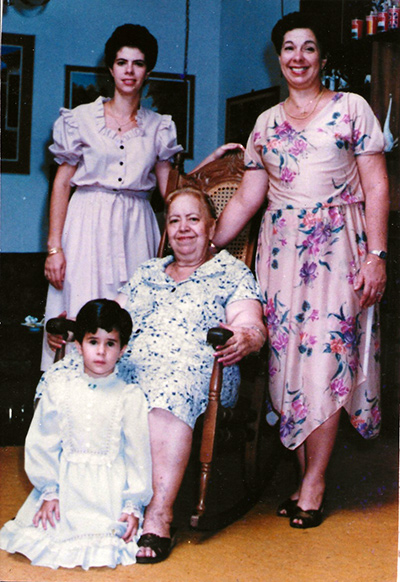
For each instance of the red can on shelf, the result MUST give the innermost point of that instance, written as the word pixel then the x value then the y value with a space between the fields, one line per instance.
pixel 383 21
pixel 357 28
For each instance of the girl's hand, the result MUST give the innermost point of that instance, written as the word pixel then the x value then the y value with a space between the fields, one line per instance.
pixel 372 280
pixel 45 513
pixel 133 524
pixel 54 269
pixel 244 341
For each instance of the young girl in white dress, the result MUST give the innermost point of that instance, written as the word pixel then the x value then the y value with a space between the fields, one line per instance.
pixel 87 454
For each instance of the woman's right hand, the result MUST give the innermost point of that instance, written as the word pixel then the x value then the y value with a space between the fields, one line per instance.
pixel 54 269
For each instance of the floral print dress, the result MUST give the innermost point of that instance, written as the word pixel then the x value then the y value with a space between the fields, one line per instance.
pixel 324 349
pixel 168 355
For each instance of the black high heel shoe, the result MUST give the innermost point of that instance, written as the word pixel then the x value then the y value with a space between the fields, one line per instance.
pixel 309 518
pixel 287 508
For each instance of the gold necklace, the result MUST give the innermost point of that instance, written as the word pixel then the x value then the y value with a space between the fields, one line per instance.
pixel 306 115
pixel 121 125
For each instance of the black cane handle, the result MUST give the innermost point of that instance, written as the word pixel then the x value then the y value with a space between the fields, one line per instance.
pixel 218 336
pixel 60 326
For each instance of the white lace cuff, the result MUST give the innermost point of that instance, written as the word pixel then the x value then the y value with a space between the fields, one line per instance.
pixel 131 509
pixel 48 494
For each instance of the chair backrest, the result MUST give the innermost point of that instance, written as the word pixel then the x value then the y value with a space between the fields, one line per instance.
pixel 220 180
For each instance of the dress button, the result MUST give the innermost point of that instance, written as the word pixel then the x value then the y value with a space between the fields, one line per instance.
pixel 121 147
pixel 119 179
pixel 115 189
pixel 121 163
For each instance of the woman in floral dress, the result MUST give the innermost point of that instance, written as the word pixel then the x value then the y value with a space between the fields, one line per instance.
pixel 318 158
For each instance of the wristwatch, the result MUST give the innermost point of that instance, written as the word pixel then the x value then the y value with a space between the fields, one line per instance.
pixel 380 254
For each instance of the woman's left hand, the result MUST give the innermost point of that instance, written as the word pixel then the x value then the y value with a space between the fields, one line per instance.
pixel 372 280
pixel 133 524
pixel 219 152
pixel 244 341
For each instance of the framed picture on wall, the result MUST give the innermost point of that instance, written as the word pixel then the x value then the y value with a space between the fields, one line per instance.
pixel 16 102
pixel 163 92
pixel 243 110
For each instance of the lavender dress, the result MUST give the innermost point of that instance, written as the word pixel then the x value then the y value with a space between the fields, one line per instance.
pixel 110 226
pixel 324 349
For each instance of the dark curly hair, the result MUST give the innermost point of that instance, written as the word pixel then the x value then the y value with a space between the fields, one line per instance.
pixel 294 20
pixel 104 314
pixel 135 36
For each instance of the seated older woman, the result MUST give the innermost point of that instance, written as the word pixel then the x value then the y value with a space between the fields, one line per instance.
pixel 173 302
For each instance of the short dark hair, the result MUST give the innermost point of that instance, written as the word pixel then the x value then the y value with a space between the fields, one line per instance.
pixel 294 20
pixel 135 36
pixel 104 314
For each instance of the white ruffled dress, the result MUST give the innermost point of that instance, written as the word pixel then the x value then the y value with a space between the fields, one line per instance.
pixel 110 226
pixel 88 445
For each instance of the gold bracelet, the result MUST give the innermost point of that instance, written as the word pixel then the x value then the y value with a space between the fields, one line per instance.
pixel 54 251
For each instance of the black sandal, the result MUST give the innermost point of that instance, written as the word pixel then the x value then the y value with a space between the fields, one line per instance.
pixel 287 508
pixel 309 518
pixel 161 547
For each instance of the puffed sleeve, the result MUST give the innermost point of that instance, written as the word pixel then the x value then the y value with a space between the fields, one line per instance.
pixel 367 136
pixel 43 447
pixel 135 429
pixel 67 145
pixel 166 142
pixel 252 156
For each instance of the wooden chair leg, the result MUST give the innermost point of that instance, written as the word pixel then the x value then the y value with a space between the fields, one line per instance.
pixel 60 353
pixel 208 440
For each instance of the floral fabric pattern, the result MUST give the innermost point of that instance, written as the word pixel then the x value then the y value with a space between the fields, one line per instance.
pixel 324 350
pixel 168 354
